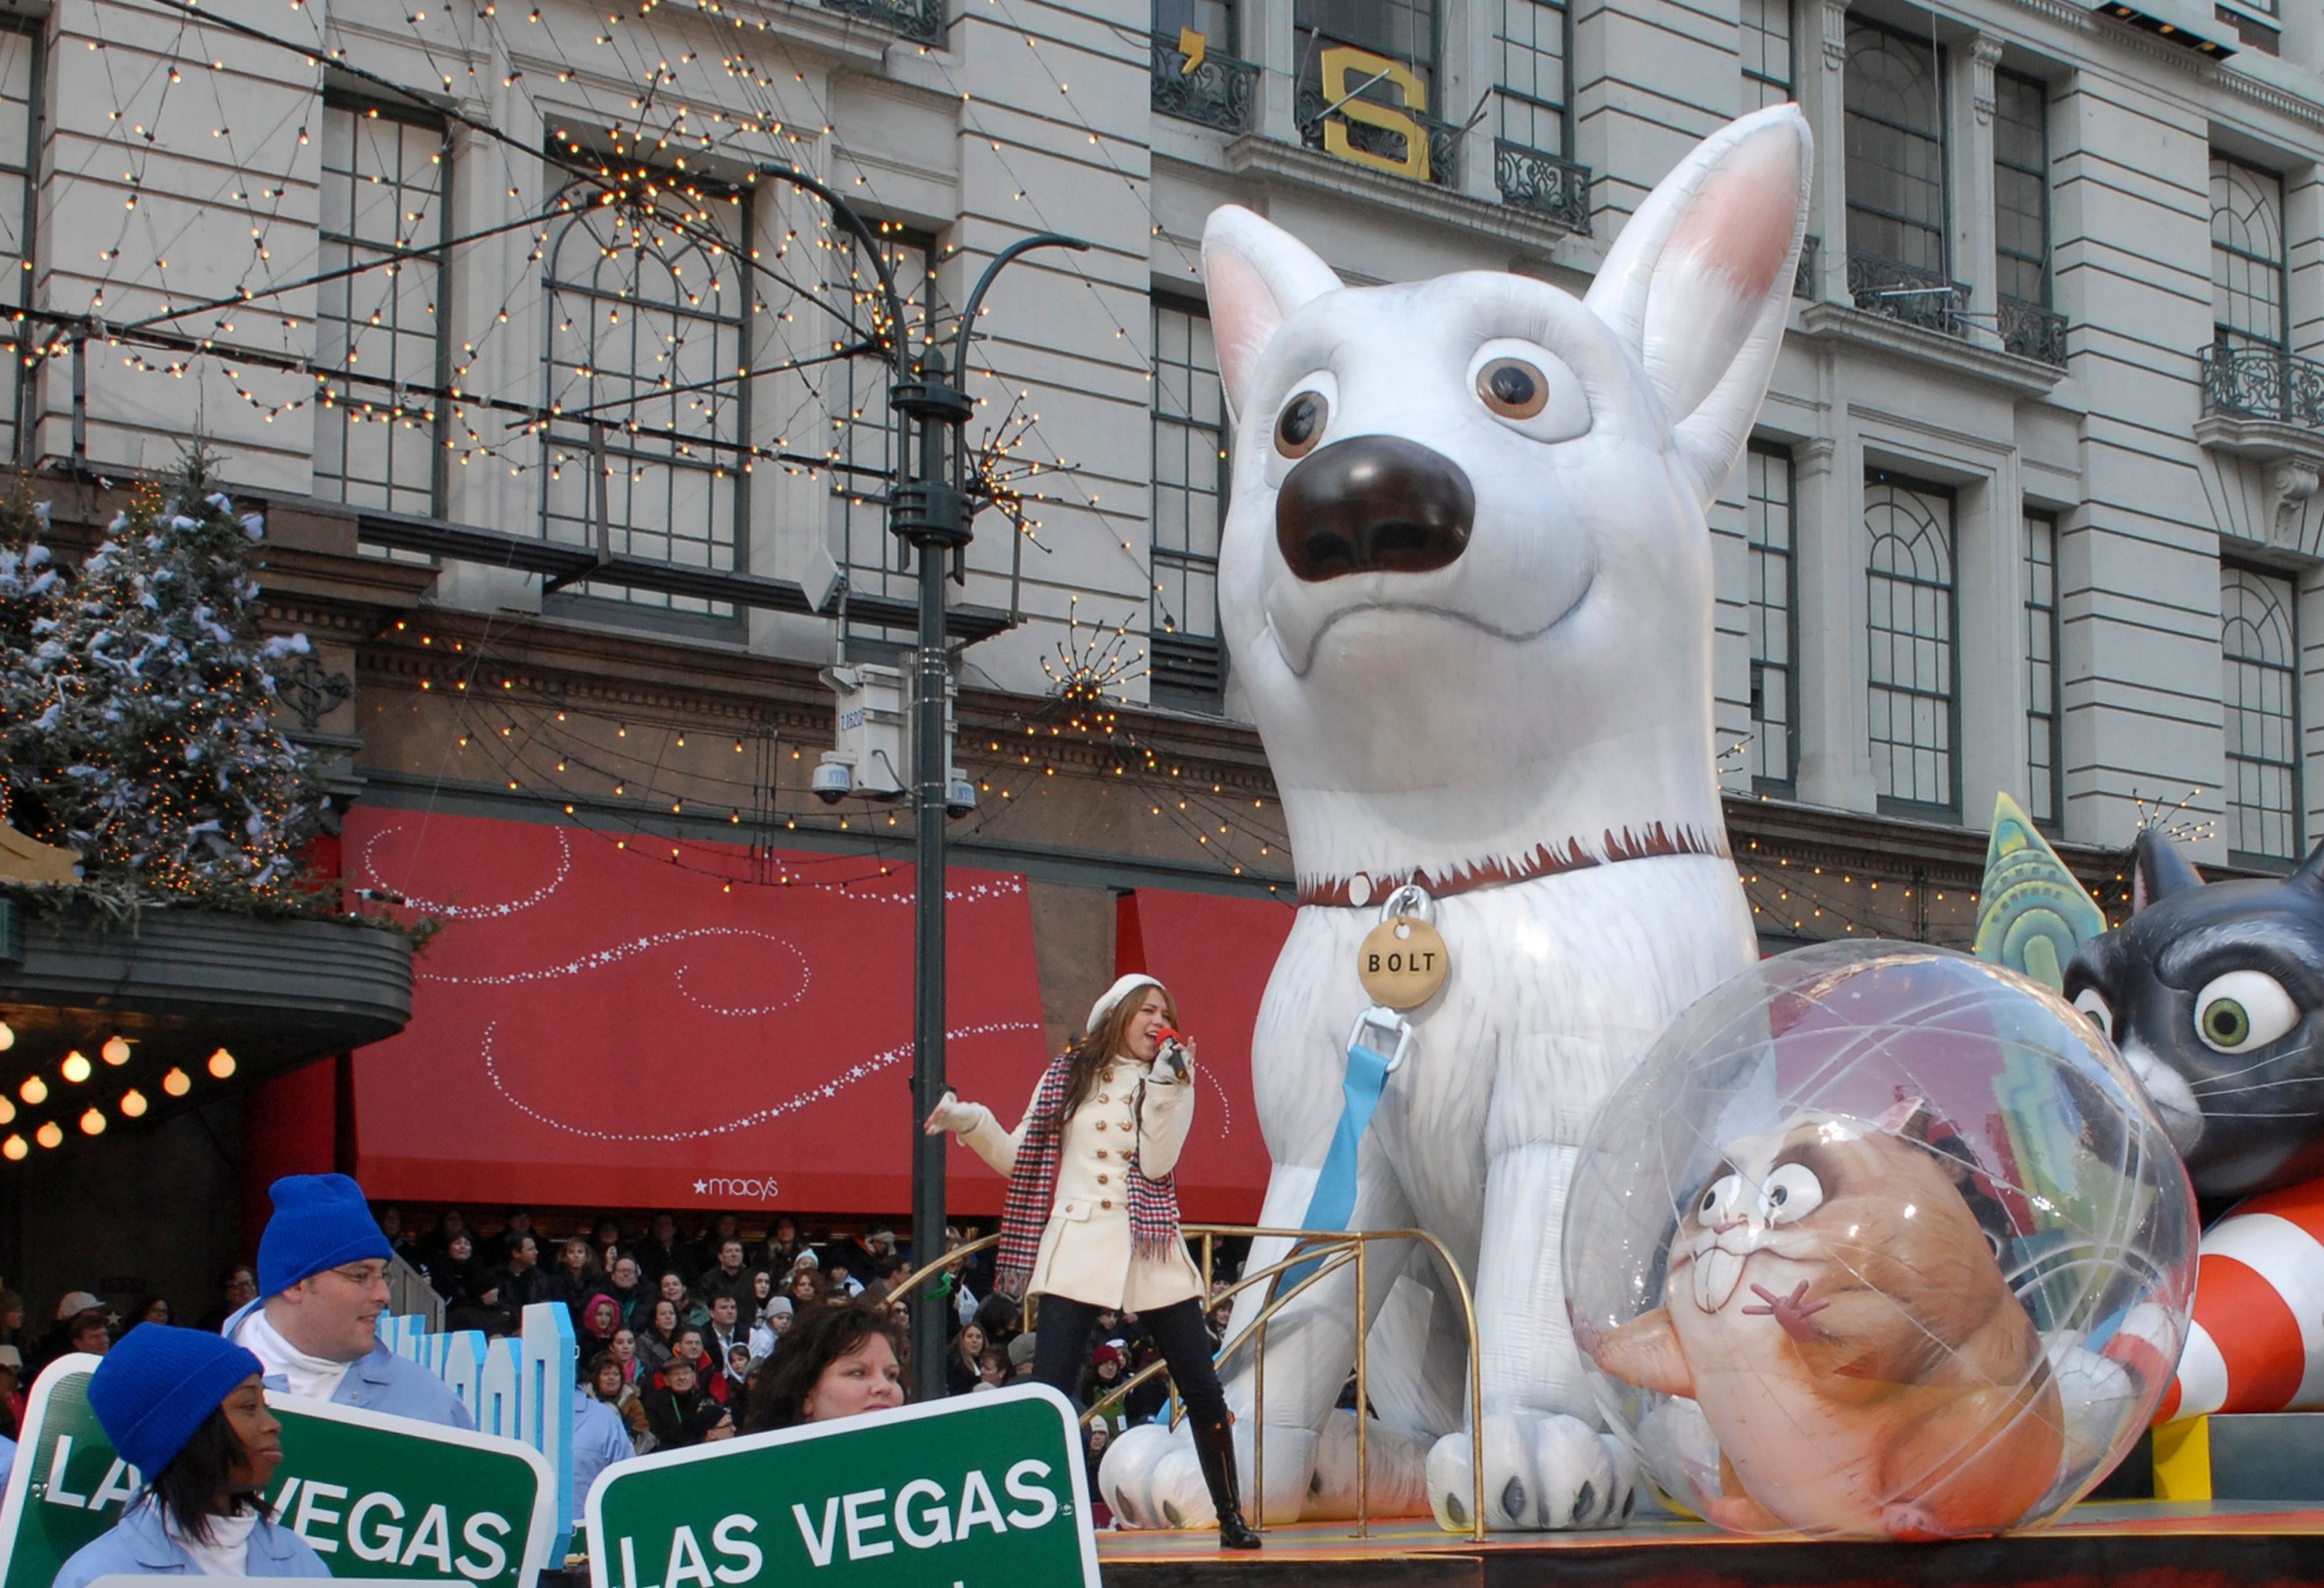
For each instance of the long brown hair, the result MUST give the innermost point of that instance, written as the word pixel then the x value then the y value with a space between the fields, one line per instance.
pixel 1097 1048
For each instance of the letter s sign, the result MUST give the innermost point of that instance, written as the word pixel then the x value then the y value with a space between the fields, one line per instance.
pixel 1342 62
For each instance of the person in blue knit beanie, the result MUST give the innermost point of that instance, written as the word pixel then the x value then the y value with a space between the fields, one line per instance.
pixel 187 1410
pixel 322 1284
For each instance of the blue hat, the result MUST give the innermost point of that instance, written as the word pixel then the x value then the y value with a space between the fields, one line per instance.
pixel 320 1221
pixel 154 1389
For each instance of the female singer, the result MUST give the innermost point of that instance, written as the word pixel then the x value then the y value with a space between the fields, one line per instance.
pixel 1090 1220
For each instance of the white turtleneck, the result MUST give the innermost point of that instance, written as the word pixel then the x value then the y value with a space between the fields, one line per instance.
pixel 314 1377
pixel 227 1553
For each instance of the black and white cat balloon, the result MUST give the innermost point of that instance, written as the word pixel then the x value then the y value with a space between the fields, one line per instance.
pixel 2214 994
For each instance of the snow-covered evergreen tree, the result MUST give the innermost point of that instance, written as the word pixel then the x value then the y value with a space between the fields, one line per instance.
pixel 138 708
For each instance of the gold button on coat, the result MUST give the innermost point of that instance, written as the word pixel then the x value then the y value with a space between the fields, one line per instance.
pixel 1101 1179
pixel 1101 1124
pixel 1107 1203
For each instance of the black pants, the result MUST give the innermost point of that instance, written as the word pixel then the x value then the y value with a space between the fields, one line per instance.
pixel 1061 1349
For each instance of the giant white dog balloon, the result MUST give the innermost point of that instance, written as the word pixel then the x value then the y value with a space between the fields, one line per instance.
pixel 1466 581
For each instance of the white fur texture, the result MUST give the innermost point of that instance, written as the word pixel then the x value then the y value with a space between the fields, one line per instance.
pixel 1551 686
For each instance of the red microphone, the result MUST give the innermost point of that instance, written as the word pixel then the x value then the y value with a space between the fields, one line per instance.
pixel 1171 1050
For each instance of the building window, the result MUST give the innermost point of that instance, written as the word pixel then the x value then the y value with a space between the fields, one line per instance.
pixel 1190 489
pixel 863 436
pixel 1774 646
pixel 1914 689
pixel 1765 41
pixel 1403 34
pixel 1532 42
pixel 386 178
pixel 646 314
pixel 1896 144
pixel 2020 187
pixel 2259 656
pixel 2044 785
pixel 2248 259
pixel 1214 19
pixel 20 144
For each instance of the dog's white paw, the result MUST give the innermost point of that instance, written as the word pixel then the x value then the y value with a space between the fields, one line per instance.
pixel 1152 1478
pixel 1543 1473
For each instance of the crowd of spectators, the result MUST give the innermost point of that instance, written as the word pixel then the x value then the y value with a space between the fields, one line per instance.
pixel 671 1324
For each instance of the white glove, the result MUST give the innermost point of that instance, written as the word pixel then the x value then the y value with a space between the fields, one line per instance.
pixel 953 1114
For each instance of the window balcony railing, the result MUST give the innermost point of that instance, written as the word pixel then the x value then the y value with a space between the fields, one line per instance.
pixel 2264 384
pixel 1221 92
pixel 922 21
pixel 1906 293
pixel 1443 138
pixel 2031 331
pixel 1545 184
pixel 1806 283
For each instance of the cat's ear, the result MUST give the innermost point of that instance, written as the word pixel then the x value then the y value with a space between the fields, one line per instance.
pixel 2158 870
pixel 2311 870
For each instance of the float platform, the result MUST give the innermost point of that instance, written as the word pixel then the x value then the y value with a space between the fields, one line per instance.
pixel 2139 1544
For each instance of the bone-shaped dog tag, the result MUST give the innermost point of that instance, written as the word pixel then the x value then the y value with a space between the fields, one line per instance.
pixel 1403 962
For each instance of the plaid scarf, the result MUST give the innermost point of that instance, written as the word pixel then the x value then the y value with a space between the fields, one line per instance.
pixel 1033 1184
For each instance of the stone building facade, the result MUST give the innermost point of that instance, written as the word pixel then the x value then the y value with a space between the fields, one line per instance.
pixel 489 307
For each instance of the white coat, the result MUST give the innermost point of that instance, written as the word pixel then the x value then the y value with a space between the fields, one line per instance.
pixel 1086 1253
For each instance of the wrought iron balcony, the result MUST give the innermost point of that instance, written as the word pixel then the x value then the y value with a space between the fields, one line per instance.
pixel 1545 184
pixel 922 20
pixel 2031 331
pixel 1906 293
pixel 1218 93
pixel 2264 384
pixel 1443 138
pixel 1806 282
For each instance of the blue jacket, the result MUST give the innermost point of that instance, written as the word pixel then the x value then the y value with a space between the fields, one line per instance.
pixel 382 1381
pixel 138 1547
pixel 600 1438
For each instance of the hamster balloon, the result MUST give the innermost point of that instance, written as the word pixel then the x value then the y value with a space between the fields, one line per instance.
pixel 1836 1309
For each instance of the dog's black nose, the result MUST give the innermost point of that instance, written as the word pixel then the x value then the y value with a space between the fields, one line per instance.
pixel 1373 504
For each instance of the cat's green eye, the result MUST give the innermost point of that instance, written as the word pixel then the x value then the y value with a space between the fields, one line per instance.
pixel 2227 1022
pixel 2243 1009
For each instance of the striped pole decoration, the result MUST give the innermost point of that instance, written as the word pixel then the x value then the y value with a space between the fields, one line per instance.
pixel 2257 1344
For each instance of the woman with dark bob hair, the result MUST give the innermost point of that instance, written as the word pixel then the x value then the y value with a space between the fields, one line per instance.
pixel 186 1409
pixel 835 1361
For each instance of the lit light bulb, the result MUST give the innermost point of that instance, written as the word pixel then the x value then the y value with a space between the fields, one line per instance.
pixel 132 1105
pixel 116 1050
pixel 35 1090
pixel 7 1112
pixel 51 1134
pixel 92 1123
pixel 177 1083
pixel 7 1036
pixel 76 1067
pixel 15 1146
pixel 221 1064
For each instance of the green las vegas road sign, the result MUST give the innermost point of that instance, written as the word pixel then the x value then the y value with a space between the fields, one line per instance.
pixel 376 1496
pixel 977 1491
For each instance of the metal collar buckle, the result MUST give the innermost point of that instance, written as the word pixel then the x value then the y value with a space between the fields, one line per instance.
pixel 1389 1024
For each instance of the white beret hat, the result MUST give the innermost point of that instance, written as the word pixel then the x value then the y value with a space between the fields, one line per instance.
pixel 1122 988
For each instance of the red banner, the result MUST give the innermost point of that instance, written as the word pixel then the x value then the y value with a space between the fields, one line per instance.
pixel 626 1021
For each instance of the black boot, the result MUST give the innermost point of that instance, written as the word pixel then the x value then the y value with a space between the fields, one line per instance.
pixel 1214 1445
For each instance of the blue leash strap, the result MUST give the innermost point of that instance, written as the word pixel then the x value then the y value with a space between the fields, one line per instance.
pixel 1334 1201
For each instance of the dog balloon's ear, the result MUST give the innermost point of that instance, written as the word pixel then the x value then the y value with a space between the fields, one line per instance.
pixel 1256 273
pixel 1700 282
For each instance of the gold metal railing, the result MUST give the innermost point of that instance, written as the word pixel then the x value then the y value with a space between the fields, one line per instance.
pixel 1330 1250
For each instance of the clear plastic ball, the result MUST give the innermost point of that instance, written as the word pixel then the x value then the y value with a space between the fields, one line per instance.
pixel 1879 1241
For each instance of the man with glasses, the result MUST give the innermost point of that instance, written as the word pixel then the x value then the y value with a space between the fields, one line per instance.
pixel 322 1276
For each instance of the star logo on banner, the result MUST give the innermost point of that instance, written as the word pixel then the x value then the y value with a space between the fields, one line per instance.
pixel 702 1188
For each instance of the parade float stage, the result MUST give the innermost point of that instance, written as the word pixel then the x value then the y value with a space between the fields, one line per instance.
pixel 2145 1544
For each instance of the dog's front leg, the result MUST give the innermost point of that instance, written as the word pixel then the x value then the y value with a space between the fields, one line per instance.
pixel 1546 1465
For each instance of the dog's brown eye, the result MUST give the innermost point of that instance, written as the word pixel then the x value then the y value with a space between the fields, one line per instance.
pixel 1513 388
pixel 1301 424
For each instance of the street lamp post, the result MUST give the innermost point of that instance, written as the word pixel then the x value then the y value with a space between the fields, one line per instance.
pixel 931 509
